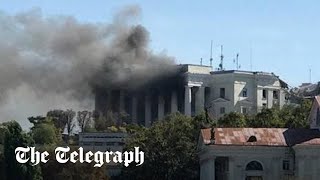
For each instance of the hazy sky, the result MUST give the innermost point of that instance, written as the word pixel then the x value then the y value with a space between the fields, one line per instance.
pixel 284 35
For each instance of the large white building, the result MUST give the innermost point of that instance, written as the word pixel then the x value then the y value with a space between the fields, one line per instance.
pixel 261 153
pixel 193 89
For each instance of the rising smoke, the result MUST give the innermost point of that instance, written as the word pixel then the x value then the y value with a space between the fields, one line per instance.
pixel 54 62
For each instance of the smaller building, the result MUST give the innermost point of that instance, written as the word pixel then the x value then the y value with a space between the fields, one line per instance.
pixel 104 141
pixel 259 154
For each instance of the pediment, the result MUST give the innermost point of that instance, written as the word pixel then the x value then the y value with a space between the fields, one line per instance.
pixel 218 100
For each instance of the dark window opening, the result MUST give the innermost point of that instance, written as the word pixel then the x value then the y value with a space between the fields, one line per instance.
pixel 222 110
pixel 264 94
pixel 222 92
pixel 252 139
pixel 286 165
pixel 244 110
pixel 275 95
pixel 254 166
pixel 244 92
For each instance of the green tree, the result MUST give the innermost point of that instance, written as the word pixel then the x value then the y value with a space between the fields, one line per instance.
pixel 169 147
pixel 53 170
pixel 14 137
pixel 233 119
pixel 267 118
pixel 43 131
pixel 296 116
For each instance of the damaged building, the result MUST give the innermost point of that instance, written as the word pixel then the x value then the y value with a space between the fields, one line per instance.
pixel 191 90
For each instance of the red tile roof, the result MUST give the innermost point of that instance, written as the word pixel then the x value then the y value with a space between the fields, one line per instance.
pixel 263 136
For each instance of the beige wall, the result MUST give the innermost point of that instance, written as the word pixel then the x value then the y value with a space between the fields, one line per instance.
pixel 235 82
pixel 306 166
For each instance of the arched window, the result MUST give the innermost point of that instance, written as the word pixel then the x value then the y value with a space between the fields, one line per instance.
pixel 254 166
pixel 252 139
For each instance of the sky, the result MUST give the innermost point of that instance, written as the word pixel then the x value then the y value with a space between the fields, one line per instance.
pixel 274 36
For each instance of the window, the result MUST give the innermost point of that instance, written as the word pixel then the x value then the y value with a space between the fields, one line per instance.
pixel 286 165
pixel 254 166
pixel 222 110
pixel 275 95
pixel 222 92
pixel 244 92
pixel 252 139
pixel 264 94
pixel 244 110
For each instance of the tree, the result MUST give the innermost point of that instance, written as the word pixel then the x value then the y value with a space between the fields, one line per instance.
pixel 58 118
pixel 296 116
pixel 14 137
pixel 44 133
pixel 53 170
pixel 63 119
pixel 43 130
pixel 169 147
pixel 84 118
pixel 233 119
pixel 267 118
pixel 69 115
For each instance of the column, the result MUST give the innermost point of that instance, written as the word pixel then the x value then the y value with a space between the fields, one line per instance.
pixel 147 121
pixel 121 106
pixel 270 98
pixel 134 110
pixel 174 102
pixel 121 101
pixel 108 107
pixel 160 107
pixel 199 100
pixel 187 101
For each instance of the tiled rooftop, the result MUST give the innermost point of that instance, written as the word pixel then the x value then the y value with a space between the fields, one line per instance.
pixel 263 136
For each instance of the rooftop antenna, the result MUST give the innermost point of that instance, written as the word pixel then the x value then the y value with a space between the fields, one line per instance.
pixel 211 55
pixel 221 59
pixel 237 61
pixel 250 57
pixel 310 75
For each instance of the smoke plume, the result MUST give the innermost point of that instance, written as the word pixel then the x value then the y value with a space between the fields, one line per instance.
pixel 55 62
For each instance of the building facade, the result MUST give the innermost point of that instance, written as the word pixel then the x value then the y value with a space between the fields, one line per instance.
pixel 194 89
pixel 104 141
pixel 259 154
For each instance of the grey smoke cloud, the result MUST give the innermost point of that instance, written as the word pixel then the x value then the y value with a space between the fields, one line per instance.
pixel 54 62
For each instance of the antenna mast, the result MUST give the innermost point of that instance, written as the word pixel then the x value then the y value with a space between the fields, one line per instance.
pixel 310 75
pixel 211 55
pixel 221 59
pixel 251 57
pixel 237 59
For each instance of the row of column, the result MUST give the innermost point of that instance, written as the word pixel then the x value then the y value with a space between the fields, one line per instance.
pixel 148 105
pixel 199 104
